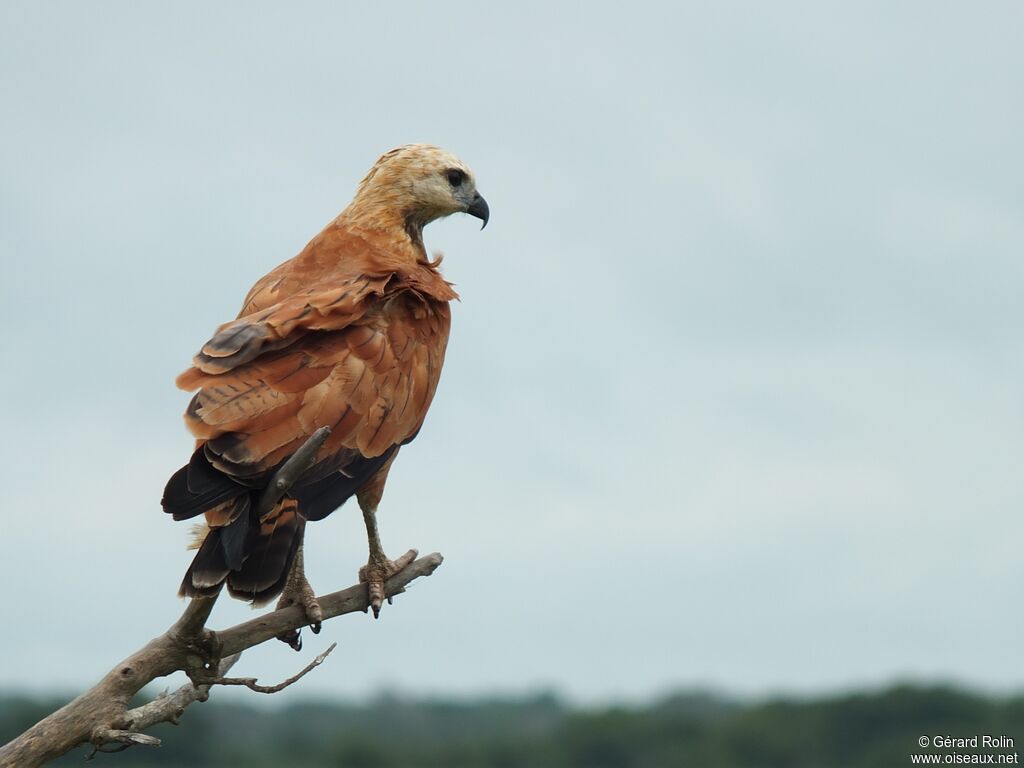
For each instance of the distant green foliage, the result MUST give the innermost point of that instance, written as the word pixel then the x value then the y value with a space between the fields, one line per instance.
pixel 868 730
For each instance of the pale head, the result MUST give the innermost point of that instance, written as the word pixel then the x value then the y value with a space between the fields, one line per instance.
pixel 411 186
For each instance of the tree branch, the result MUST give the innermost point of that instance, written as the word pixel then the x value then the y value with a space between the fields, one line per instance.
pixel 101 715
pixel 253 685
pixel 355 598
pixel 169 707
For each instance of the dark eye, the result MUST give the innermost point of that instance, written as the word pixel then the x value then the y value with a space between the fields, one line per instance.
pixel 456 177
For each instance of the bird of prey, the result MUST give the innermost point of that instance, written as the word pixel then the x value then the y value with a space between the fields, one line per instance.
pixel 351 335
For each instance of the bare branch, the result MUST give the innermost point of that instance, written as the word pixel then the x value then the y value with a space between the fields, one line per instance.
pixel 195 616
pixel 252 685
pixel 255 631
pixel 120 740
pixel 169 707
pixel 101 715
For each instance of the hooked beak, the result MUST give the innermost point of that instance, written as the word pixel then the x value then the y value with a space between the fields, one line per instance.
pixel 479 209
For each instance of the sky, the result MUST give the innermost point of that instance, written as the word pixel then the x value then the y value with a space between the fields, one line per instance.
pixel 733 396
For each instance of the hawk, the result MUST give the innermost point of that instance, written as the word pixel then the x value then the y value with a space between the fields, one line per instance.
pixel 349 334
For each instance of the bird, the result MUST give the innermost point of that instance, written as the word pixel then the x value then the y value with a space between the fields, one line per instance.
pixel 350 334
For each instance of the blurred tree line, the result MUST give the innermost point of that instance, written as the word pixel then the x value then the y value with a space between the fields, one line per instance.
pixel 689 729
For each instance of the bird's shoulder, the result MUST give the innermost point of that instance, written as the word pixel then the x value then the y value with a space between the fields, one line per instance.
pixel 340 259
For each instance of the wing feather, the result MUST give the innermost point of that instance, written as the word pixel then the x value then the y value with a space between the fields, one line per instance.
pixel 345 356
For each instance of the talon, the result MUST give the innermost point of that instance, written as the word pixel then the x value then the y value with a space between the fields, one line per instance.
pixel 314 614
pixel 293 639
pixel 377 571
pixel 297 591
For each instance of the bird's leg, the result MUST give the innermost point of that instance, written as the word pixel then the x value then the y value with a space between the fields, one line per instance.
pixel 298 592
pixel 378 568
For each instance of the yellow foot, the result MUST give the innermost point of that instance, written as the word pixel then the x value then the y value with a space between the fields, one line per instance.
pixel 298 592
pixel 379 570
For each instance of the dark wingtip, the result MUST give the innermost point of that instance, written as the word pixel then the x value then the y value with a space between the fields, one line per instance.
pixel 197 487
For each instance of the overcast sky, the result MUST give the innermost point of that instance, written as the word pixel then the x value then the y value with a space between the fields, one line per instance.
pixel 733 396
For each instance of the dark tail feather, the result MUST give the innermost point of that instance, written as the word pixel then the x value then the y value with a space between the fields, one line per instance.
pixel 208 570
pixel 235 537
pixel 271 549
pixel 222 551
pixel 252 556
